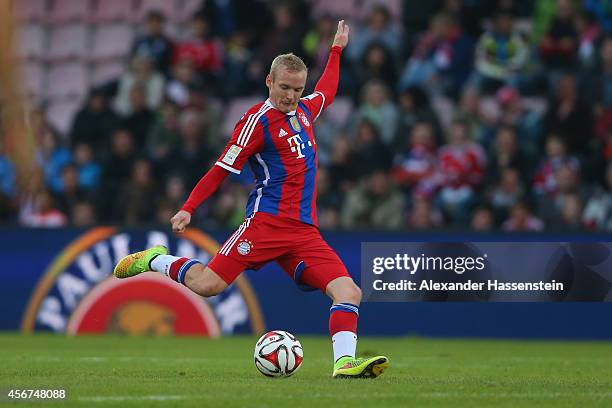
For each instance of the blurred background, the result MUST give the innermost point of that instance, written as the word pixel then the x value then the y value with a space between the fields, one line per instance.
pixel 451 115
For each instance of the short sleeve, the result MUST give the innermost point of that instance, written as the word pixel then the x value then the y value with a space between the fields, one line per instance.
pixel 247 140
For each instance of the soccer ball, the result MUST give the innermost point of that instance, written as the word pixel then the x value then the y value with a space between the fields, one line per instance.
pixel 278 354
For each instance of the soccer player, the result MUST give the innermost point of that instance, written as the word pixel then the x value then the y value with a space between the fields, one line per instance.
pixel 277 139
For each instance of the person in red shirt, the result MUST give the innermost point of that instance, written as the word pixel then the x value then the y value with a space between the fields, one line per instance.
pixel 205 53
pixel 276 138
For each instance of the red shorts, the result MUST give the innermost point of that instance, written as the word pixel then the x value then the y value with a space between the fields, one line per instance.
pixel 297 247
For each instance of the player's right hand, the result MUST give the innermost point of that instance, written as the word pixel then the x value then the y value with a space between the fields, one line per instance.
pixel 180 220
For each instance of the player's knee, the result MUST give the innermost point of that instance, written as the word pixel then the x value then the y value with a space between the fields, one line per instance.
pixel 354 294
pixel 348 292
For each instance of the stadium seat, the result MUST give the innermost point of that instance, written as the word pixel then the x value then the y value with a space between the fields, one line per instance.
pixel 61 113
pixel 113 10
pixel 63 11
pixel 67 80
pixel 107 71
pixel 235 109
pixel 31 42
pixel 339 111
pixel 169 8
pixel 111 41
pixel 70 41
pixel 30 10
pixel 33 79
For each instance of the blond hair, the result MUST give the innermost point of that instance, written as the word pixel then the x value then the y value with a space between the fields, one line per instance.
pixel 290 62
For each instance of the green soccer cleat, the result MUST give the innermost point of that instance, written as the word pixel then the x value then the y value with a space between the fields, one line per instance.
pixel 348 367
pixel 138 262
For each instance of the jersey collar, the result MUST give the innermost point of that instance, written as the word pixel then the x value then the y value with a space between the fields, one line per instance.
pixel 269 103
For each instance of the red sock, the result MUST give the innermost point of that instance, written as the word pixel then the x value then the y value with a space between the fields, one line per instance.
pixel 175 268
pixel 342 321
pixel 343 329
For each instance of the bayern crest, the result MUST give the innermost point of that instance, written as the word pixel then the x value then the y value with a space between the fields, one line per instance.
pixel 304 119
pixel 244 247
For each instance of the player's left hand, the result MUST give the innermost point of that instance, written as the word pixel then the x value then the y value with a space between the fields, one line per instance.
pixel 180 220
pixel 342 35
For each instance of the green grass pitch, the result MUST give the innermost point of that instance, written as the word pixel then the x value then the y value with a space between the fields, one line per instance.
pixel 194 372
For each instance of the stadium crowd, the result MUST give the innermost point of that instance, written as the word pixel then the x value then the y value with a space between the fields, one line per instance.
pixel 469 115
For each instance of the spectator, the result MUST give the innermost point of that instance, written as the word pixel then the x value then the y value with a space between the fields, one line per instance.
pixel 228 210
pixel 203 51
pixel 462 166
pixel 598 209
pixel 83 215
pixel 414 107
pixel 570 214
pixel 51 157
pixel 416 165
pixel 89 169
pixel 601 9
pixel 375 203
pixel 570 117
pixel 545 181
pixel 522 220
pixel 287 32
pixel 143 74
pixel 560 42
pixel 442 59
pixel 379 29
pixel 588 32
pixel 164 134
pixel 482 219
pixel 501 55
pixel 242 70
pixel 507 153
pixel 94 123
pixel 154 44
pixel 175 191
pixel 7 173
pixel 44 212
pixel 192 155
pixel 340 165
pixel 376 64
pixel 329 201
pixel 184 79
pixel 369 154
pixel 422 215
pixel 138 204
pixel 377 108
pixel 551 207
pixel 71 193
pixel 116 170
pixel 141 118
pixel 506 193
pixel 526 120
pixel 316 45
pixel 601 79
pixel 470 111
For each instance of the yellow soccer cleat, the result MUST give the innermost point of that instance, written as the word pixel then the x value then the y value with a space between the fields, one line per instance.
pixel 138 262
pixel 348 367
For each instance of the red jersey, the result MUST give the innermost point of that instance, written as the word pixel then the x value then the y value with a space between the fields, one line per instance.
pixel 282 151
